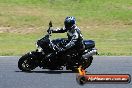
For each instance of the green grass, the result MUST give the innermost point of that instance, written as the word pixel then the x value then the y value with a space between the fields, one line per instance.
pixel 108 22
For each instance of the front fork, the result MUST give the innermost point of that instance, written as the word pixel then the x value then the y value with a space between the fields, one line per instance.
pixel 37 56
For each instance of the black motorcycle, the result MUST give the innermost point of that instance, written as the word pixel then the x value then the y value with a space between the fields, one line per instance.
pixel 47 55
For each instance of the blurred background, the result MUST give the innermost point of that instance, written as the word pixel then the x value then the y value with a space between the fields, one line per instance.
pixel 107 22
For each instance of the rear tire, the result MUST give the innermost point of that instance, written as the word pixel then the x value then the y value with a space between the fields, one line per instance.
pixel 25 63
pixel 87 62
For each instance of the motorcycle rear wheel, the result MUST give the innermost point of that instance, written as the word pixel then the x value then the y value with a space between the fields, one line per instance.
pixel 87 62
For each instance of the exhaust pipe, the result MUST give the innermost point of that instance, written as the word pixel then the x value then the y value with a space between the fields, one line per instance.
pixel 90 53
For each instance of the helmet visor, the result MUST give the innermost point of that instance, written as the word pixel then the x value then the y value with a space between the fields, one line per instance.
pixel 68 24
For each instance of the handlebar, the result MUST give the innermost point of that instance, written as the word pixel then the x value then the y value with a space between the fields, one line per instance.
pixel 49 31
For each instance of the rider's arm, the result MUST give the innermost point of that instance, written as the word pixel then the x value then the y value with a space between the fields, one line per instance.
pixel 73 40
pixel 59 30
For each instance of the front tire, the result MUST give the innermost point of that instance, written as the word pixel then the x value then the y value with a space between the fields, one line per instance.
pixel 25 63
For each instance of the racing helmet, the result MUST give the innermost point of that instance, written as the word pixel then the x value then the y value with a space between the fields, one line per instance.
pixel 69 22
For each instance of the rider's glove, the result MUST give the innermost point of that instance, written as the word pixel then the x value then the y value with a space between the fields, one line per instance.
pixel 61 50
pixel 58 49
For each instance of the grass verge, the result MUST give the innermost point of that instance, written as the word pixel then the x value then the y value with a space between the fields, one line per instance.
pixel 109 23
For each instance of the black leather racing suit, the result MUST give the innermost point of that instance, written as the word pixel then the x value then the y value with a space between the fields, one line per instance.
pixel 75 38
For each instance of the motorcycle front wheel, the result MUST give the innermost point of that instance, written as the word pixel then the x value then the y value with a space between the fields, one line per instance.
pixel 26 63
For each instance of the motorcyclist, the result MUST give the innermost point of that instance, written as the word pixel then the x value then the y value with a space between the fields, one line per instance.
pixel 75 38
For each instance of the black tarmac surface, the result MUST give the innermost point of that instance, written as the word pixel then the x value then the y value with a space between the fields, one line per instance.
pixel 12 77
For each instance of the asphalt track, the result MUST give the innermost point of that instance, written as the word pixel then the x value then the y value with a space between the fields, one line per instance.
pixel 12 77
